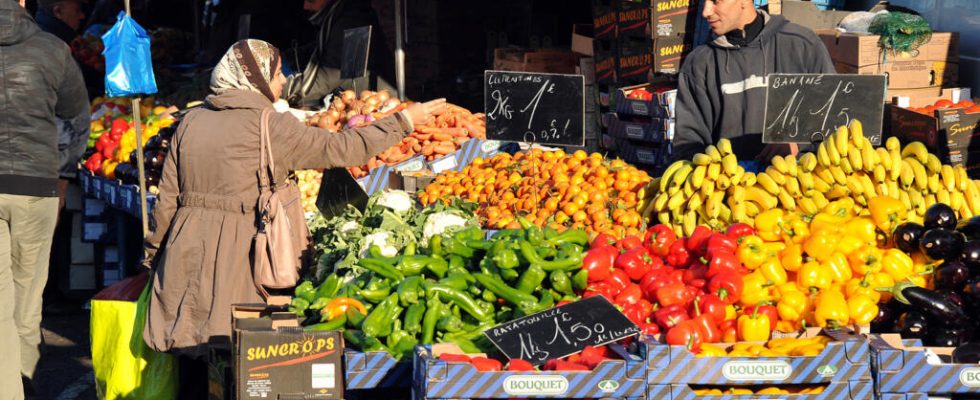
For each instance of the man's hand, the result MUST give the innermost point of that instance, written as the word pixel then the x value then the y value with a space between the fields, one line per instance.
pixel 777 149
pixel 423 113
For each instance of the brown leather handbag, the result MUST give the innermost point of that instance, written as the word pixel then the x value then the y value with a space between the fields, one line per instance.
pixel 283 238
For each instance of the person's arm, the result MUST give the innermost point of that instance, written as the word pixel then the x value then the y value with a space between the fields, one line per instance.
pixel 694 115
pixel 166 205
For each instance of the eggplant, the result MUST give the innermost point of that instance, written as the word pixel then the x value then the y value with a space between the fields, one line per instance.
pixel 912 325
pixel 152 143
pixel 970 228
pixel 154 160
pixel 947 337
pixel 954 297
pixel 939 215
pixel 951 275
pixel 930 302
pixel 971 294
pixel 971 256
pixel 907 235
pixel 152 179
pixel 940 243
pixel 967 353
pixel 885 320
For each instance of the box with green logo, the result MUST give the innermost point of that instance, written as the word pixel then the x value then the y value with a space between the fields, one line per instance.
pixel 436 379
pixel 844 358
pixel 906 370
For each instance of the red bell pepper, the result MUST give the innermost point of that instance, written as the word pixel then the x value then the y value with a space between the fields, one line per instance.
pixel 669 316
pixel 636 263
pixel 629 243
pixel 454 358
pixel 484 364
pixel 592 356
pixel 678 255
pixel 707 325
pixel 600 289
pixel 676 293
pixel 723 262
pixel 517 364
pixel 649 328
pixel 739 229
pixel 685 334
pixel 631 294
pixel 655 280
pixel 727 286
pixel 617 281
pixel 599 262
pixel 770 311
pixel 713 306
pixel 658 240
pixel 638 312
pixel 695 275
pixel 603 239
pixel 697 244
pixel 720 243
pixel 562 365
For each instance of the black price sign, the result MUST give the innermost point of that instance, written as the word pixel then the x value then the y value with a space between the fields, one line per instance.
pixel 357 45
pixel 535 108
pixel 338 189
pixel 807 108
pixel 562 331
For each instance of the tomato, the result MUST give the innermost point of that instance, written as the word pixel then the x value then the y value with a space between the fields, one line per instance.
pixel 973 110
pixel 599 262
pixel 943 104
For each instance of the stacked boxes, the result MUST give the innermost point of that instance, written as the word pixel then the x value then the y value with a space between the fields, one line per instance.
pixel 904 371
pixel 843 369
pixel 642 125
pixel 673 24
pixel 948 133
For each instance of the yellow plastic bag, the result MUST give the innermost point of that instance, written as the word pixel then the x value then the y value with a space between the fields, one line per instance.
pixel 125 367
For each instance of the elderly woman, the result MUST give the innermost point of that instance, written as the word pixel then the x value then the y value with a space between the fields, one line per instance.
pixel 205 218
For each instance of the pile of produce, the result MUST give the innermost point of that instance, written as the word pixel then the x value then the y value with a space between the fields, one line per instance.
pixel 449 287
pixel 308 181
pixel 440 137
pixel 939 317
pixel 930 110
pixel 713 189
pixel 553 189
pixel 587 360
pixel 764 390
pixel 782 347
pixel 112 140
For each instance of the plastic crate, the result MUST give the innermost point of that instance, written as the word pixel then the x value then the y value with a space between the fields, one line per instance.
pixel 440 380
pixel 640 129
pixel 373 370
pixel 854 390
pixel 641 153
pixel 902 371
pixel 660 106
pixel 846 359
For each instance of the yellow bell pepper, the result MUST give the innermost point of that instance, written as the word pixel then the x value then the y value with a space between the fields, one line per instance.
pixel 710 350
pixel 862 309
pixel 848 244
pixel 788 326
pixel 744 347
pixel 781 342
pixel 773 271
pixel 756 289
pixel 792 257
pixel 751 251
pixel 897 264
pixel 739 353
pixel 861 286
pixel 737 391
pixel 833 214
pixel 794 229
pixel 831 309
pixel 881 280
pixel 767 224
pixel 708 392
pixel 821 245
pixel 866 260
pixel 791 306
pixel 811 276
pixel 753 327
pixel 730 312
pixel 772 390
pixel 840 270
pixel 862 228
pixel 886 211
pixel 811 350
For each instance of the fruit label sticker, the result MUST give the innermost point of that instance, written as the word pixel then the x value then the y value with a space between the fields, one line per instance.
pixel 827 370
pixel 807 108
pixel 775 370
pixel 970 377
pixel 535 385
pixel 411 165
pixel 490 145
pixel 443 164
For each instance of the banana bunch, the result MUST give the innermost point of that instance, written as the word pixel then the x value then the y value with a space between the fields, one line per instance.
pixel 713 190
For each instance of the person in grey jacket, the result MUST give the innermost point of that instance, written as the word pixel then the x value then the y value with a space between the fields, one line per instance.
pixel 722 84
pixel 39 81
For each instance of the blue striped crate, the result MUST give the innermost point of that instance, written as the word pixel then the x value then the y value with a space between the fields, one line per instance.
pixel 84 180
pixel 896 361
pixel 378 179
pixel 440 380
pixel 375 369
pixel 95 187
pixel 110 192
pixel 853 390
pixel 845 359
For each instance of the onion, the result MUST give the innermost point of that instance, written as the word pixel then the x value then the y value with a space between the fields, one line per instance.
pixel 372 101
pixel 324 121
pixel 350 114
pixel 334 113
pixel 368 109
pixel 365 94
pixel 355 121
pixel 382 96
pixel 338 105
pixel 347 96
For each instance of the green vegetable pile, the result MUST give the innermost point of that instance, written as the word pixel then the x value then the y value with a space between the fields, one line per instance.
pixel 450 290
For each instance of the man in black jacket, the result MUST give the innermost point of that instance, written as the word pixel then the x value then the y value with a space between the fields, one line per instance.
pixel 39 81
pixel 322 73
pixel 722 85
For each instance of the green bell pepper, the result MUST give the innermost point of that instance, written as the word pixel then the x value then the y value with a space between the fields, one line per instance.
pixel 488 296
pixel 375 252
pixel 405 347
pixel 328 289
pixel 299 306
pixel 376 295
pixel 501 289
pixel 458 298
pixel 580 281
pixel 456 264
pixel 433 312
pixel 305 291
pixel 381 268
pixel 453 246
pixel 458 281
pixel 451 323
pixel 413 265
pixel 379 322
pixel 364 342
pixel 531 279
pixel 572 260
pixel 573 236
pixel 437 266
pixel 435 246
pixel 408 290
pixel 509 274
pixel 506 259
pixel 354 318
pixel 413 318
pixel 332 325
pixel 561 282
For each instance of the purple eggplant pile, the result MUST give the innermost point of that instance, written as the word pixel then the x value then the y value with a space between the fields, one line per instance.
pixel 947 314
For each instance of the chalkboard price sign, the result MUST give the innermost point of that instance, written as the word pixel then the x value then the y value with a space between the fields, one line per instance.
pixel 562 331
pixel 535 108
pixel 807 108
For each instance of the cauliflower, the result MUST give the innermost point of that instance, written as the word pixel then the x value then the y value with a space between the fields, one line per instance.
pixel 438 223
pixel 397 200
pixel 380 239
pixel 349 226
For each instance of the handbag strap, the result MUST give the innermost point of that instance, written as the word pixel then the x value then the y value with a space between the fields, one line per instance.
pixel 267 164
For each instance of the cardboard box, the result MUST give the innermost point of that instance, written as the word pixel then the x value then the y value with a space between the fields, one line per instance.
pixel 948 133
pixel 274 357
pixel 415 181
pixel 582 39
pixel 586 68
pixel 380 178
pixel 635 61
pixel 805 13
pixel 671 18
pixel 898 360
pixel 908 74
pixel 922 97
pixel 606 62
pixel 375 369
pixel 541 60
pixel 634 19
pixel 669 53
pixel 605 18
pixel 861 50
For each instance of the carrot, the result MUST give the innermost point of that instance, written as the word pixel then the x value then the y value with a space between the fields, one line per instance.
pixel 422 136
pixel 405 147
pixel 427 150
pixel 356 172
pixel 445 148
pixel 416 147
pixel 442 136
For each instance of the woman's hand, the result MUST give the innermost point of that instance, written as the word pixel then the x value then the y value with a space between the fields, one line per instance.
pixel 424 113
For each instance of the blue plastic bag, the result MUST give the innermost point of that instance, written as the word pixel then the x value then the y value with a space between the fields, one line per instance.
pixel 128 66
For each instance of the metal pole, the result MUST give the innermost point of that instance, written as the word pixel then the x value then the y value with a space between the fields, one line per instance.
pixel 138 126
pixel 399 49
